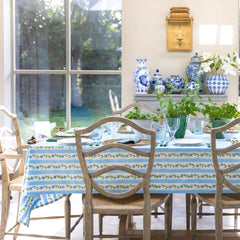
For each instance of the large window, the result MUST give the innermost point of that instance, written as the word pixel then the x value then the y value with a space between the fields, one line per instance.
pixel 67 56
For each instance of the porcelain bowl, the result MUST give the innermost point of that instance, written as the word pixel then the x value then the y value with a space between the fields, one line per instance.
pixel 229 135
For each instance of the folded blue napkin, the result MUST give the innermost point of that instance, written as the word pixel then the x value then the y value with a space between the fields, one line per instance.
pixel 129 140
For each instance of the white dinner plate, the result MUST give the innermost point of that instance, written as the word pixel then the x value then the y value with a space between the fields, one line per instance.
pixel 188 142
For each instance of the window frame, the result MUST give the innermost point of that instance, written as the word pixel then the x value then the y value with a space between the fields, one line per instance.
pixel 67 72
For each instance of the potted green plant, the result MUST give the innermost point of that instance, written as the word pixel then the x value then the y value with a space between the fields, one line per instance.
pixel 220 114
pixel 142 119
pixel 136 114
pixel 189 104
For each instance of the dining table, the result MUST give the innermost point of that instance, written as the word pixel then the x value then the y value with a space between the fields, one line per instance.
pixel 52 169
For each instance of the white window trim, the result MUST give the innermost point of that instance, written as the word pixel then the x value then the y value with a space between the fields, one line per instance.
pixel 5 56
pixel 67 72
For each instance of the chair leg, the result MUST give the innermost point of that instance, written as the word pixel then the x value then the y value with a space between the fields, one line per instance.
pixel 188 214
pixel 236 213
pixel 147 225
pixel 218 223
pixel 5 210
pixel 88 223
pixel 200 208
pixel 130 221
pixel 16 230
pixel 193 216
pixel 67 210
pixel 167 218
pixel 155 210
pixel 170 210
pixel 100 223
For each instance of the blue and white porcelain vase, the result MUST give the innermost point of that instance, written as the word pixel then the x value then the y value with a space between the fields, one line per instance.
pixel 156 83
pixel 217 84
pixel 175 84
pixel 141 77
pixel 193 69
pixel 192 86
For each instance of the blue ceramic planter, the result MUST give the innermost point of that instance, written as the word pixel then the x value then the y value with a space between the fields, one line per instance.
pixel 217 84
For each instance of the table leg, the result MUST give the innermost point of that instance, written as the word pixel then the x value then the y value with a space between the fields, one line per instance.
pixel 125 224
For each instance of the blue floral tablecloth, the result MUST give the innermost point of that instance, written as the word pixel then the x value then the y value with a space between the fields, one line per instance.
pixel 52 170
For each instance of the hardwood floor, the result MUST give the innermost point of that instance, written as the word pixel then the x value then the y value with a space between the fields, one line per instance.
pixel 110 225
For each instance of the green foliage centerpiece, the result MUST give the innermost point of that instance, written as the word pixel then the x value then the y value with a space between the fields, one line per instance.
pixel 136 114
pixel 142 119
pixel 189 104
pixel 219 115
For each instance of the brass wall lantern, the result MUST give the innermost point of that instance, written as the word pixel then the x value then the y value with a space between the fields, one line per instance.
pixel 179 30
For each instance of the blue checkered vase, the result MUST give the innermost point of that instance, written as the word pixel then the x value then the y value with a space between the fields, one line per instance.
pixel 217 84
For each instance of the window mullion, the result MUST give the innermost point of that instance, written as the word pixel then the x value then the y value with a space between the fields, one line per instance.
pixel 68 65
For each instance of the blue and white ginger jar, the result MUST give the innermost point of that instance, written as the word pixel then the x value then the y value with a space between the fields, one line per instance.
pixel 192 86
pixel 175 84
pixel 193 69
pixel 156 83
pixel 217 84
pixel 141 77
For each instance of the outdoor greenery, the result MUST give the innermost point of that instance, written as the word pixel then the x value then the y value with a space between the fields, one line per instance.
pixel 41 45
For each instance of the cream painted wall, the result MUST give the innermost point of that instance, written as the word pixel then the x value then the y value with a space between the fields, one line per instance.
pixel 144 35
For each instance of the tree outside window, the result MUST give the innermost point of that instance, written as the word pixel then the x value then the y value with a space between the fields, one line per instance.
pixel 42 50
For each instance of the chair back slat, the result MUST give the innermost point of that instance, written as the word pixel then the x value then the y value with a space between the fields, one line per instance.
pixel 13 132
pixel 227 149
pixel 117 195
pixel 11 144
pixel 222 169
pixel 84 155
pixel 231 169
pixel 113 100
pixel 116 145
pixel 116 167
pixel 132 105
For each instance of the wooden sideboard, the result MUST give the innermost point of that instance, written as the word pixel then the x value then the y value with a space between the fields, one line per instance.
pixel 151 99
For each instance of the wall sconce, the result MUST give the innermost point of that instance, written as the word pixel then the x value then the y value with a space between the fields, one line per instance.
pixel 179 38
pixel 179 30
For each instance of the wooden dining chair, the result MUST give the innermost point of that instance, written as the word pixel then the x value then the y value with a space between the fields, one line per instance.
pixel 121 112
pixel 126 203
pixel 12 149
pixel 225 171
pixel 12 155
pixel 113 100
